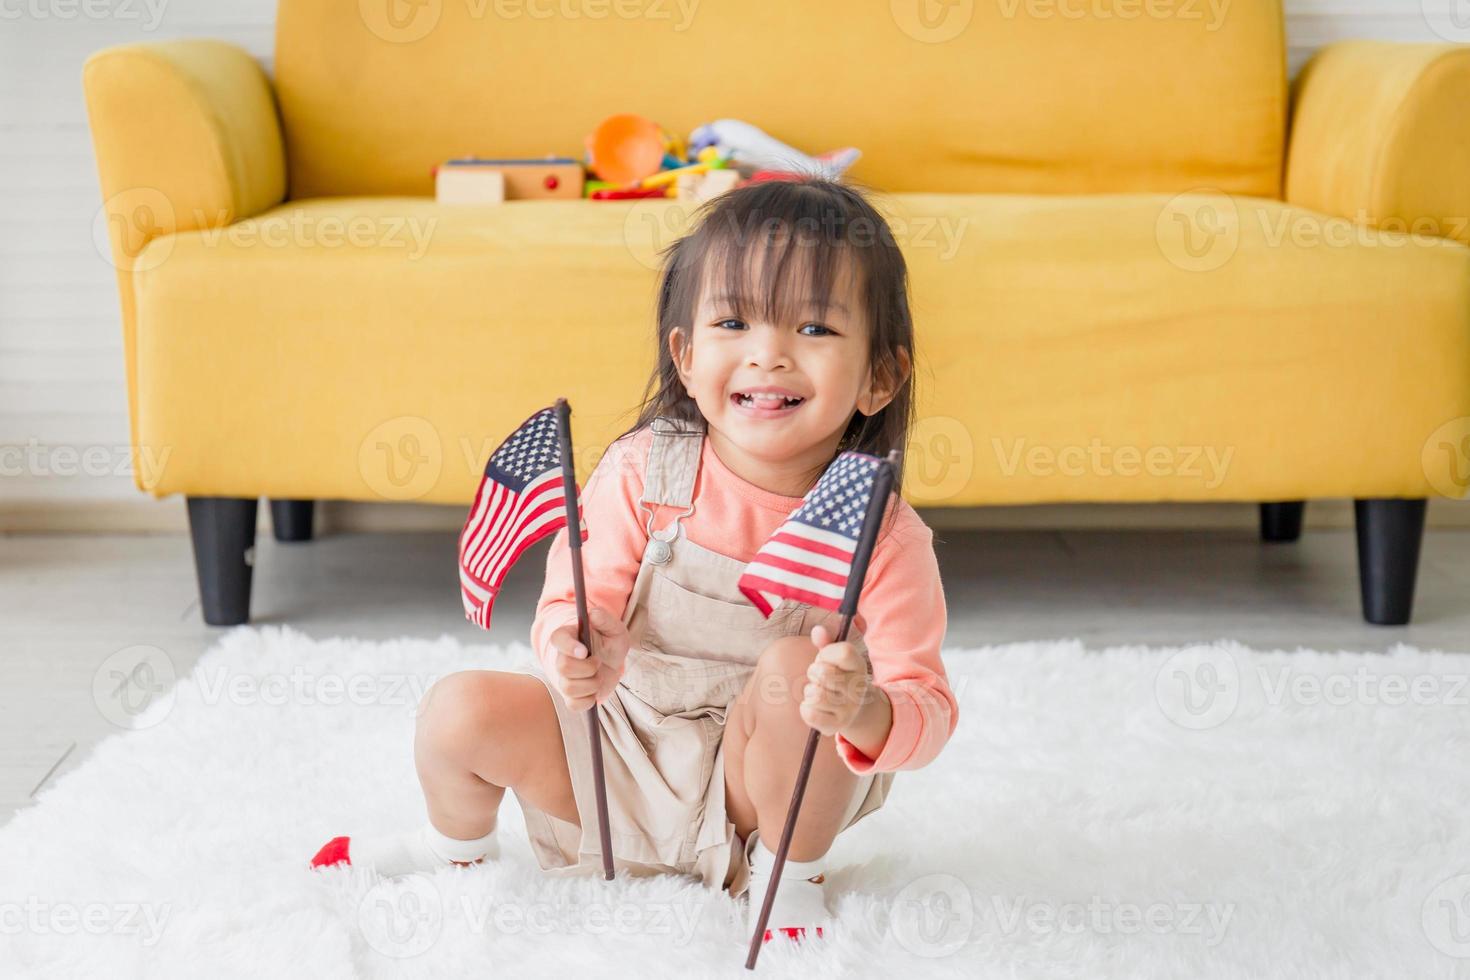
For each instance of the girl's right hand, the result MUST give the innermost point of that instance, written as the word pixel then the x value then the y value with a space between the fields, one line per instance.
pixel 584 679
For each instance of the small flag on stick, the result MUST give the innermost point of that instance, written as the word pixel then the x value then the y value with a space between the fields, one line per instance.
pixel 529 487
pixel 809 558
pixel 820 556
pixel 521 499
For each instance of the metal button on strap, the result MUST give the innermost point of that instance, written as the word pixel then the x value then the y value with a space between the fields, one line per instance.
pixel 659 551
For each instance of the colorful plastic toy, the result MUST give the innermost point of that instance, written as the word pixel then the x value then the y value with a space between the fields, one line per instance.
pixel 752 147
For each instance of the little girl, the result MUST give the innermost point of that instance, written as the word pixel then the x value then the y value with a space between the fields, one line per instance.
pixel 784 337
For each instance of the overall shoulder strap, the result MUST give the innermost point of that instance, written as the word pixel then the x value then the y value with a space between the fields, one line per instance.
pixel 673 462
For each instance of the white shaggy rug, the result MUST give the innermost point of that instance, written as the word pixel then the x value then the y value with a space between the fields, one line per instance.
pixel 1212 812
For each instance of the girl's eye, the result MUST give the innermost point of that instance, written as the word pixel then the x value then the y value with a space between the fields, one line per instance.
pixel 817 328
pixel 727 324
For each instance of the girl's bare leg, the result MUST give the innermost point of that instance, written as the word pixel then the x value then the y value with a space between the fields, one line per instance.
pixel 764 740
pixel 479 732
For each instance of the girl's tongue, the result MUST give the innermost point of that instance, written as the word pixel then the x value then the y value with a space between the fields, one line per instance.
pixel 766 403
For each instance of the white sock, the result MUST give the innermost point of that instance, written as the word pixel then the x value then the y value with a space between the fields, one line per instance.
pixel 763 862
pixel 425 849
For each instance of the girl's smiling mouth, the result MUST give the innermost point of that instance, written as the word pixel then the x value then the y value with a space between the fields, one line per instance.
pixel 767 402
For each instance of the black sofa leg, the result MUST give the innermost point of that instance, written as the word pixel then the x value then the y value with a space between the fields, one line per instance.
pixel 1282 521
pixel 1390 531
pixel 291 519
pixel 223 529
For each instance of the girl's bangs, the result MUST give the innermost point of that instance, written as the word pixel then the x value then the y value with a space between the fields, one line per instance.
pixel 775 268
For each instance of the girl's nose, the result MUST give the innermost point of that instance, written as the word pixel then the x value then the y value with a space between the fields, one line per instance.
pixel 767 349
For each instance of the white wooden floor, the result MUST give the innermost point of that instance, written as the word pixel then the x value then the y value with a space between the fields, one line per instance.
pixel 68 601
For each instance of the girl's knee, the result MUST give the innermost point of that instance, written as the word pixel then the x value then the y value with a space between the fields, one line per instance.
pixel 780 673
pixel 456 710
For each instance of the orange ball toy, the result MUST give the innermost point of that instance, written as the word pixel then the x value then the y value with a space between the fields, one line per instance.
pixel 626 148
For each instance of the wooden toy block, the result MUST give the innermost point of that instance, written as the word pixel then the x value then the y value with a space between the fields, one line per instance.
pixel 701 187
pixel 469 185
pixel 533 179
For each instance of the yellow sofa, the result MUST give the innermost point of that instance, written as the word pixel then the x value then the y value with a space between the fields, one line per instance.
pixel 1143 268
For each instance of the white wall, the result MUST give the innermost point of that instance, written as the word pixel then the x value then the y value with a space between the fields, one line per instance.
pixel 61 374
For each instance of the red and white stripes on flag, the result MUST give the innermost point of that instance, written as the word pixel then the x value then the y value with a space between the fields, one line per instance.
pixel 520 500
pixel 809 557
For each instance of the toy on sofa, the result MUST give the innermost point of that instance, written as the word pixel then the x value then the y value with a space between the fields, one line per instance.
pixel 626 148
pixel 756 149
pixel 473 180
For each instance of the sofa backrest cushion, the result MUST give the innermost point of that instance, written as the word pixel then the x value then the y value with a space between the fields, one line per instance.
pixel 1018 96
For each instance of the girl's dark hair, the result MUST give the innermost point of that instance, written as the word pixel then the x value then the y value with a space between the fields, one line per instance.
pixel 806 229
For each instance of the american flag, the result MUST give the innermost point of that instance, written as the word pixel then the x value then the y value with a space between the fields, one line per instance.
pixel 520 501
pixel 809 558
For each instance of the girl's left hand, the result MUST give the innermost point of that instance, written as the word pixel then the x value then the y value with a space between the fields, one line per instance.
pixel 837 684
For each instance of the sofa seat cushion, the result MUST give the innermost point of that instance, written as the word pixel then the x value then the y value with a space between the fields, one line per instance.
pixel 1091 348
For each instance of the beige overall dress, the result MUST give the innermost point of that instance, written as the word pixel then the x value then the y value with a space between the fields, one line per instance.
pixel 695 640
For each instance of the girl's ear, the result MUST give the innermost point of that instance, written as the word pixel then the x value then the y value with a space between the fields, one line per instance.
pixel 883 385
pixel 680 351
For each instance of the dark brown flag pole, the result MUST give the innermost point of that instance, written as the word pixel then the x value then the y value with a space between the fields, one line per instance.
pixel 584 627
pixel 882 486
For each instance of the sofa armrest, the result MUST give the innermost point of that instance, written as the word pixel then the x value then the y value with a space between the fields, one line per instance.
pixel 1380 134
pixel 186 136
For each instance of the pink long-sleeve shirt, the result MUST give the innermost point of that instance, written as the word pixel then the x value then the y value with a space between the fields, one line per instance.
pixel 901 612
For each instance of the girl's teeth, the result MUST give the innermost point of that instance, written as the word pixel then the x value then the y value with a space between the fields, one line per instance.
pixel 768 401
